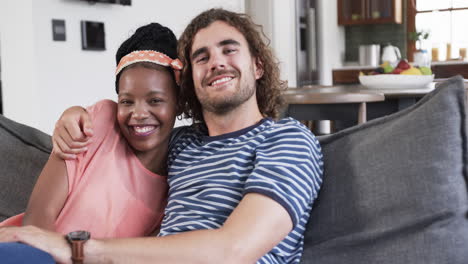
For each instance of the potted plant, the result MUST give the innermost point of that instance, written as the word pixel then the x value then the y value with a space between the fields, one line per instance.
pixel 421 56
pixel 419 37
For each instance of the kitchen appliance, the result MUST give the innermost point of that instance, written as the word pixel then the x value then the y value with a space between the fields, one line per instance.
pixel 391 54
pixel 306 42
pixel 369 55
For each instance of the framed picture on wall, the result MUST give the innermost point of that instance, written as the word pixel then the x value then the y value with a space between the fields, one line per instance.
pixel 93 35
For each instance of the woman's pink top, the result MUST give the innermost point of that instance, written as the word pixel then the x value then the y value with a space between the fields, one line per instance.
pixel 110 193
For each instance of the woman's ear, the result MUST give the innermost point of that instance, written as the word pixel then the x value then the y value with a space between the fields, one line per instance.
pixel 179 111
pixel 258 69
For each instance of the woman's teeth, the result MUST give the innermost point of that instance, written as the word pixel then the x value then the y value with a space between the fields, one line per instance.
pixel 143 129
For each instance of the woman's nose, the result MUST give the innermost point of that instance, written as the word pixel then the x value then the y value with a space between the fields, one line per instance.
pixel 140 112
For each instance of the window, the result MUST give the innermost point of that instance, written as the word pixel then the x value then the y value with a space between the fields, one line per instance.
pixel 447 22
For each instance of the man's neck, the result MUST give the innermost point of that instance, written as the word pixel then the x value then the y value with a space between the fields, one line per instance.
pixel 241 117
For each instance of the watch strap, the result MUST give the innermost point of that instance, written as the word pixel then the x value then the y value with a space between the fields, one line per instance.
pixel 77 251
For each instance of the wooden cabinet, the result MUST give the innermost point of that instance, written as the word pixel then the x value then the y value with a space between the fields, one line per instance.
pixel 348 76
pixel 449 70
pixel 360 12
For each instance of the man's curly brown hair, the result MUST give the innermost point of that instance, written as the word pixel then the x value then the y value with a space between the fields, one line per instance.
pixel 268 87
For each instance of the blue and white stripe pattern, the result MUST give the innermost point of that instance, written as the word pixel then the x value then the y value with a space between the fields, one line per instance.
pixel 208 176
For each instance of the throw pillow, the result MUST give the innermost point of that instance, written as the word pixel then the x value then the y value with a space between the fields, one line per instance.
pixel 395 188
pixel 24 151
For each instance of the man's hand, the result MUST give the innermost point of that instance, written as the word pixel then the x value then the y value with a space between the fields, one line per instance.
pixel 72 133
pixel 50 242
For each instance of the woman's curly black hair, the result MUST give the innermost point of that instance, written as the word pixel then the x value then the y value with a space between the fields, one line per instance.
pixel 153 36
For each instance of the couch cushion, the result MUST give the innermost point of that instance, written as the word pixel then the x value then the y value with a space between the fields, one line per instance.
pixel 395 188
pixel 23 151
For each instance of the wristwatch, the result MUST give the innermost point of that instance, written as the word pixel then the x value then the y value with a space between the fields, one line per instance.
pixel 77 240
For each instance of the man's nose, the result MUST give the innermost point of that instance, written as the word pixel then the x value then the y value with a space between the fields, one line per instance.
pixel 217 61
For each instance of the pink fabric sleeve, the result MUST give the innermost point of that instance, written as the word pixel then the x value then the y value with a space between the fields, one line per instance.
pixel 104 117
pixel 16 220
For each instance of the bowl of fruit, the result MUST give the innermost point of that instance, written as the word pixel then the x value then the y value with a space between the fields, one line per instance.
pixel 403 76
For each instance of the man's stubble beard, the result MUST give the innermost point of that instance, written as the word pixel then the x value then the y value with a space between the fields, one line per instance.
pixel 225 104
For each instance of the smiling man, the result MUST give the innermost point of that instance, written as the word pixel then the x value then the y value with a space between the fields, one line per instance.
pixel 241 184
pixel 224 74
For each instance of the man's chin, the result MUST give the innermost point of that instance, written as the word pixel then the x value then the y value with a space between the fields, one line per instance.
pixel 220 107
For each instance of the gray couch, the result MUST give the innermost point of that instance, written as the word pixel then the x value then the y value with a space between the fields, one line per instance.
pixel 394 190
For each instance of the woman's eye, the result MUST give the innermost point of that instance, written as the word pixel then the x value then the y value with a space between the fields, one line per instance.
pixel 125 102
pixel 155 101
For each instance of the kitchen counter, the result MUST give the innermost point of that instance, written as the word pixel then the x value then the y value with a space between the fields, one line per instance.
pixel 450 62
pixel 349 73
pixel 356 66
pixel 361 89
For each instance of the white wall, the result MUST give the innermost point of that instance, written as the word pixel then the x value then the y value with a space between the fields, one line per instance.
pixel 331 40
pixel 261 12
pixel 17 42
pixel 42 77
pixel 284 38
pixel 277 18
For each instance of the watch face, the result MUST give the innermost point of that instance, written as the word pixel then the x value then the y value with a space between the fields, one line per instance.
pixel 78 235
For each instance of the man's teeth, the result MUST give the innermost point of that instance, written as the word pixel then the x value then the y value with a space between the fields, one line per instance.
pixel 143 129
pixel 225 79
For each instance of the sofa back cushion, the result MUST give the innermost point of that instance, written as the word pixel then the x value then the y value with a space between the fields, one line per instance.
pixel 23 152
pixel 395 188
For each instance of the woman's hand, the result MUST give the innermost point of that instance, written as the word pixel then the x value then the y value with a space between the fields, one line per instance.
pixel 72 133
pixel 53 243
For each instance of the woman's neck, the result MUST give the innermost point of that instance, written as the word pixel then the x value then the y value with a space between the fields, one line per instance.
pixel 155 160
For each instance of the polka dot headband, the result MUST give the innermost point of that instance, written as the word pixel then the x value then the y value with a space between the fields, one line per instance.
pixel 153 57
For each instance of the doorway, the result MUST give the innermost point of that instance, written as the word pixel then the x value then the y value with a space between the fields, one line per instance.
pixel 306 42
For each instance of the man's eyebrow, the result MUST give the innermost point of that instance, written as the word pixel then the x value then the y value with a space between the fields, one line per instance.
pixel 229 42
pixel 221 43
pixel 198 52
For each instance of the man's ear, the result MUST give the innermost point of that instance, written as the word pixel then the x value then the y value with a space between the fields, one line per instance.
pixel 258 69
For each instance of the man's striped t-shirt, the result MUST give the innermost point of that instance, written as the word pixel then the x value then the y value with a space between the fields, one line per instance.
pixel 208 176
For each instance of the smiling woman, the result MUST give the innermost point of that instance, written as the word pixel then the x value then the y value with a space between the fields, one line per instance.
pixel 146 111
pixel 120 180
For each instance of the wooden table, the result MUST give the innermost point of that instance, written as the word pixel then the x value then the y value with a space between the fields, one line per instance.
pixel 401 98
pixel 328 102
pixel 341 102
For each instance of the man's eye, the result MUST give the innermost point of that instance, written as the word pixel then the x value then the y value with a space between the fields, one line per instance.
pixel 229 51
pixel 202 59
